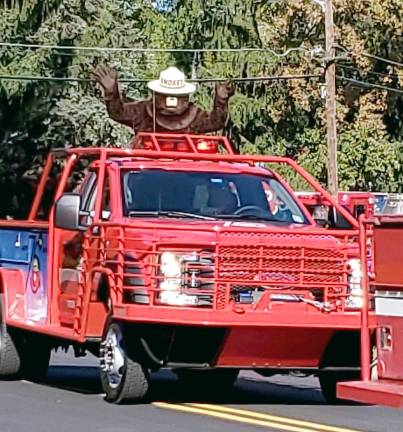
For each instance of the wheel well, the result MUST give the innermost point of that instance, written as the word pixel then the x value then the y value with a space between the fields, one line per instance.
pixel 342 350
pixel 103 290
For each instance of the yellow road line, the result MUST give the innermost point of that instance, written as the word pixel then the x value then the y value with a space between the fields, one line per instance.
pixel 231 417
pixel 270 417
pixel 242 418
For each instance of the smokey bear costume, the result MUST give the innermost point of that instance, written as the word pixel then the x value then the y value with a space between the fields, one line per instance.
pixel 173 110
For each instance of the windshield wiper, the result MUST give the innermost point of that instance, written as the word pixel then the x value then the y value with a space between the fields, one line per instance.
pixel 168 213
pixel 255 217
pixel 247 217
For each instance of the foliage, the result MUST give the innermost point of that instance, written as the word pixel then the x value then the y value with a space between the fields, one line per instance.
pixel 277 117
pixel 369 122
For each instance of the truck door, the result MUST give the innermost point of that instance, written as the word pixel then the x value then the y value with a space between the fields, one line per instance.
pixel 72 281
pixel 69 254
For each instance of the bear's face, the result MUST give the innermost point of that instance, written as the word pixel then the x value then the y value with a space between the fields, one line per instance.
pixel 171 105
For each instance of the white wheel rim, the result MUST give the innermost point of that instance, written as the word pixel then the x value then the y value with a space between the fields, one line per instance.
pixel 112 356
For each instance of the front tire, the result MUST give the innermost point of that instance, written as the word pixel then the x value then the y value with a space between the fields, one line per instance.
pixel 328 383
pixel 10 361
pixel 344 352
pixel 123 379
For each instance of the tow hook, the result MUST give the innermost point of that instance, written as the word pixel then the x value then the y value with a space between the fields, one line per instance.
pixel 325 307
pixel 238 310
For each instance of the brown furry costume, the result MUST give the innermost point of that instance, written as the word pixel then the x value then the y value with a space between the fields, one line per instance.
pixel 184 117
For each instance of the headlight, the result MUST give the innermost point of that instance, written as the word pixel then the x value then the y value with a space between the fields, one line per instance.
pixel 355 298
pixel 355 266
pixel 170 265
pixel 171 270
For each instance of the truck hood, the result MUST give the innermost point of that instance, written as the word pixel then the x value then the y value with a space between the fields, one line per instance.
pixel 197 231
pixel 213 224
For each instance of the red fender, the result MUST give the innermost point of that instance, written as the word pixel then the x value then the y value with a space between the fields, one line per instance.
pixel 12 286
pixel 96 313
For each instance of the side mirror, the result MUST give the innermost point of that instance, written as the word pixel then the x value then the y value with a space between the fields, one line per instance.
pixel 67 212
pixel 320 215
pixel 323 223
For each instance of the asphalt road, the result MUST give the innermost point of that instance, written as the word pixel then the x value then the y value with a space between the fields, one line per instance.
pixel 71 400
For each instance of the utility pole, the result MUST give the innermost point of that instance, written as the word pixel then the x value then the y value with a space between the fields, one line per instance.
pixel 330 76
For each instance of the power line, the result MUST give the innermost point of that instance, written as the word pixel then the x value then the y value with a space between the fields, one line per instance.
pixel 369 85
pixel 382 59
pixel 382 74
pixel 156 50
pixel 41 78
pixel 365 54
pixel 139 80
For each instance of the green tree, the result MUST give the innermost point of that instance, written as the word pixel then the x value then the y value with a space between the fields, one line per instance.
pixel 369 121
pixel 277 117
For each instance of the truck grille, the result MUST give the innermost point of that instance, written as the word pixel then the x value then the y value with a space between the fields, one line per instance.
pixel 277 266
pixel 286 264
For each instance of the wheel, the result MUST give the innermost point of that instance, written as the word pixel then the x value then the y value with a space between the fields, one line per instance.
pixel 35 357
pixel 218 380
pixel 328 384
pixel 123 379
pixel 10 362
pixel 343 351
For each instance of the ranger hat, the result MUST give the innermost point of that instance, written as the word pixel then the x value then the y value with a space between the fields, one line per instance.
pixel 171 82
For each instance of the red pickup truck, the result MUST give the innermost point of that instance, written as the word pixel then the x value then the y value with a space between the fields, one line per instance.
pixel 178 254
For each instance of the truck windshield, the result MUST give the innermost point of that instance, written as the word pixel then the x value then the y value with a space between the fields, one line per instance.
pixel 212 195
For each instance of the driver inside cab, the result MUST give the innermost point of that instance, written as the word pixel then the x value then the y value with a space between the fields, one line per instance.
pixel 221 200
pixel 277 207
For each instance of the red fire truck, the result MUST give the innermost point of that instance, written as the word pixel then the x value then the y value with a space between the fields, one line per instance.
pixel 382 285
pixel 357 203
pixel 179 254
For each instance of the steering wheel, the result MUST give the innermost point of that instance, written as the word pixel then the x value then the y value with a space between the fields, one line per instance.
pixel 282 206
pixel 246 208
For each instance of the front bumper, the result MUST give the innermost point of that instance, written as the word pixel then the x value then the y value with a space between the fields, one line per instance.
pixel 286 315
